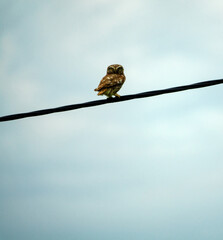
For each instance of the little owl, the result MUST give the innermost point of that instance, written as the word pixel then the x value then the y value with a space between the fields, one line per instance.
pixel 112 81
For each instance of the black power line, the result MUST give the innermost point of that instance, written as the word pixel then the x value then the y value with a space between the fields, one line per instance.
pixel 111 100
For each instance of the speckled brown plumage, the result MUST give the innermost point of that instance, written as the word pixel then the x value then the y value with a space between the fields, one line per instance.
pixel 112 81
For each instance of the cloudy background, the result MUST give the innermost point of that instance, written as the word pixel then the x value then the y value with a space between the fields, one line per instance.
pixel 142 169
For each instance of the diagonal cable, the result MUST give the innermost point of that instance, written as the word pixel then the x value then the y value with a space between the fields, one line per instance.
pixel 110 100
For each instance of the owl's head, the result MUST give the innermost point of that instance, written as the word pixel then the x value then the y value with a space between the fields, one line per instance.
pixel 115 69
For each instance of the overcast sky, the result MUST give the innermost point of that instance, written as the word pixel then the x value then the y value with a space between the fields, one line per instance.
pixel 143 169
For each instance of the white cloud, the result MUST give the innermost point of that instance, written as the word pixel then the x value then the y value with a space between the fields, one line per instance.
pixel 213 8
pixel 22 90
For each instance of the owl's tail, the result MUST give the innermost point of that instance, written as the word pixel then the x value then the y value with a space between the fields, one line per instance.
pixel 101 91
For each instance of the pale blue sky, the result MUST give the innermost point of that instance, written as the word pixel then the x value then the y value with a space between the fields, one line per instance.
pixel 144 169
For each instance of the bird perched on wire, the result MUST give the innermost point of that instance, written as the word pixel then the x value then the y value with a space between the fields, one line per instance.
pixel 112 81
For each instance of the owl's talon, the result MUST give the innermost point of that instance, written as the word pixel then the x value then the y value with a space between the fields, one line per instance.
pixel 117 95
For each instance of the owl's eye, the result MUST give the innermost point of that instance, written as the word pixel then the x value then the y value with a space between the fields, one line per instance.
pixel 110 70
pixel 120 70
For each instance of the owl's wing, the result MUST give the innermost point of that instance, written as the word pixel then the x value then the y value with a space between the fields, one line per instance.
pixel 111 80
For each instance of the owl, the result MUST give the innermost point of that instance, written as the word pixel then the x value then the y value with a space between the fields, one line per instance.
pixel 112 81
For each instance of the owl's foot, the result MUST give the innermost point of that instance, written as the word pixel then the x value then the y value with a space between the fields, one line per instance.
pixel 117 95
